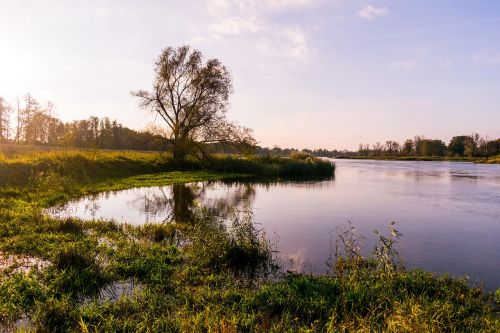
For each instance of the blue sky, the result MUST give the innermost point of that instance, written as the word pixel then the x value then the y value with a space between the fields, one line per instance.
pixel 307 73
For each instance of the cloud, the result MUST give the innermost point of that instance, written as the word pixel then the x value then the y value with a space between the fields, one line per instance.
pixel 288 3
pixel 371 13
pixel 285 42
pixel 219 7
pixel 236 25
pixel 446 64
pixel 248 19
pixel 487 58
pixel 404 64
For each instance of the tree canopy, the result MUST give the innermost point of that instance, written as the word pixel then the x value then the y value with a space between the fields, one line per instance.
pixel 192 98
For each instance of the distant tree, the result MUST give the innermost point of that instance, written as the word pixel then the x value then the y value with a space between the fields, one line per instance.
pixel 489 147
pixel 463 145
pixel 360 149
pixel 377 149
pixel 192 98
pixel 55 131
pixel 408 147
pixel 27 125
pixel 5 112
pixel 476 139
pixel 17 137
pixel 392 148
pixel 417 145
pixel 432 147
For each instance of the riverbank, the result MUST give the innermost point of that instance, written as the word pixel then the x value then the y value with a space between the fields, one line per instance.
pixel 419 158
pixel 492 160
pixel 487 160
pixel 56 273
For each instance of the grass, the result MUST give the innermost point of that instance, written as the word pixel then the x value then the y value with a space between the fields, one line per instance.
pixel 223 277
pixel 88 166
pixel 269 166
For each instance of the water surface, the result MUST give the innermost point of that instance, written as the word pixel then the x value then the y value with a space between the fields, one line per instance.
pixel 448 212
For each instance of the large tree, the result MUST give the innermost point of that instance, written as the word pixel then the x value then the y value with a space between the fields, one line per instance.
pixel 192 98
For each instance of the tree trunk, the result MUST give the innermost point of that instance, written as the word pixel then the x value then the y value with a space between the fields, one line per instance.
pixel 179 152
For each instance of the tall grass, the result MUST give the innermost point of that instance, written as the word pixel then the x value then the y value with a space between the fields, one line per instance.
pixel 79 165
pixel 269 166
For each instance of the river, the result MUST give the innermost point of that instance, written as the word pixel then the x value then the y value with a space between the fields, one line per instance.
pixel 448 212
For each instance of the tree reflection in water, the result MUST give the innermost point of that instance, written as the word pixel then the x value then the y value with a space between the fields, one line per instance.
pixel 178 202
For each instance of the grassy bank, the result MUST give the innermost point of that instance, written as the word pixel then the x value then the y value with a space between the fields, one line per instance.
pixel 492 160
pixel 58 275
pixel 489 160
pixel 20 168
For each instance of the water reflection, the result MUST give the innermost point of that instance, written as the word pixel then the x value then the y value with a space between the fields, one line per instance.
pixel 172 203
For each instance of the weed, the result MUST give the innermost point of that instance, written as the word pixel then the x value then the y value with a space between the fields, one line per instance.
pixel 239 248
pixel 345 255
pixel 70 225
pixel 385 253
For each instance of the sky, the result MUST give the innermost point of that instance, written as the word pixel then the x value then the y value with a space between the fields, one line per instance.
pixel 306 73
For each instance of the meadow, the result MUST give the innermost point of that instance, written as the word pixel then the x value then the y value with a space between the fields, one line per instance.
pixel 202 275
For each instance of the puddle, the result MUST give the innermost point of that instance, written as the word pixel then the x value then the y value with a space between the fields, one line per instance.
pixel 115 291
pixel 19 263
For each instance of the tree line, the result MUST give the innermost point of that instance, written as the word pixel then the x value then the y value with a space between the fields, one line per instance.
pixel 473 145
pixel 32 123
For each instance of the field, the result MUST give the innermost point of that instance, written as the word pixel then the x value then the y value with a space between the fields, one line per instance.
pixel 201 275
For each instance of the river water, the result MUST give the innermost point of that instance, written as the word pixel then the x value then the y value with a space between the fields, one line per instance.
pixel 448 212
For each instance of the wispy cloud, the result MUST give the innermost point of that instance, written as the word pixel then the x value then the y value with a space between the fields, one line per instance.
pixel 444 27
pixel 217 7
pixel 231 18
pixel 487 58
pixel 370 12
pixel 237 25
pixel 404 64
pixel 285 42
